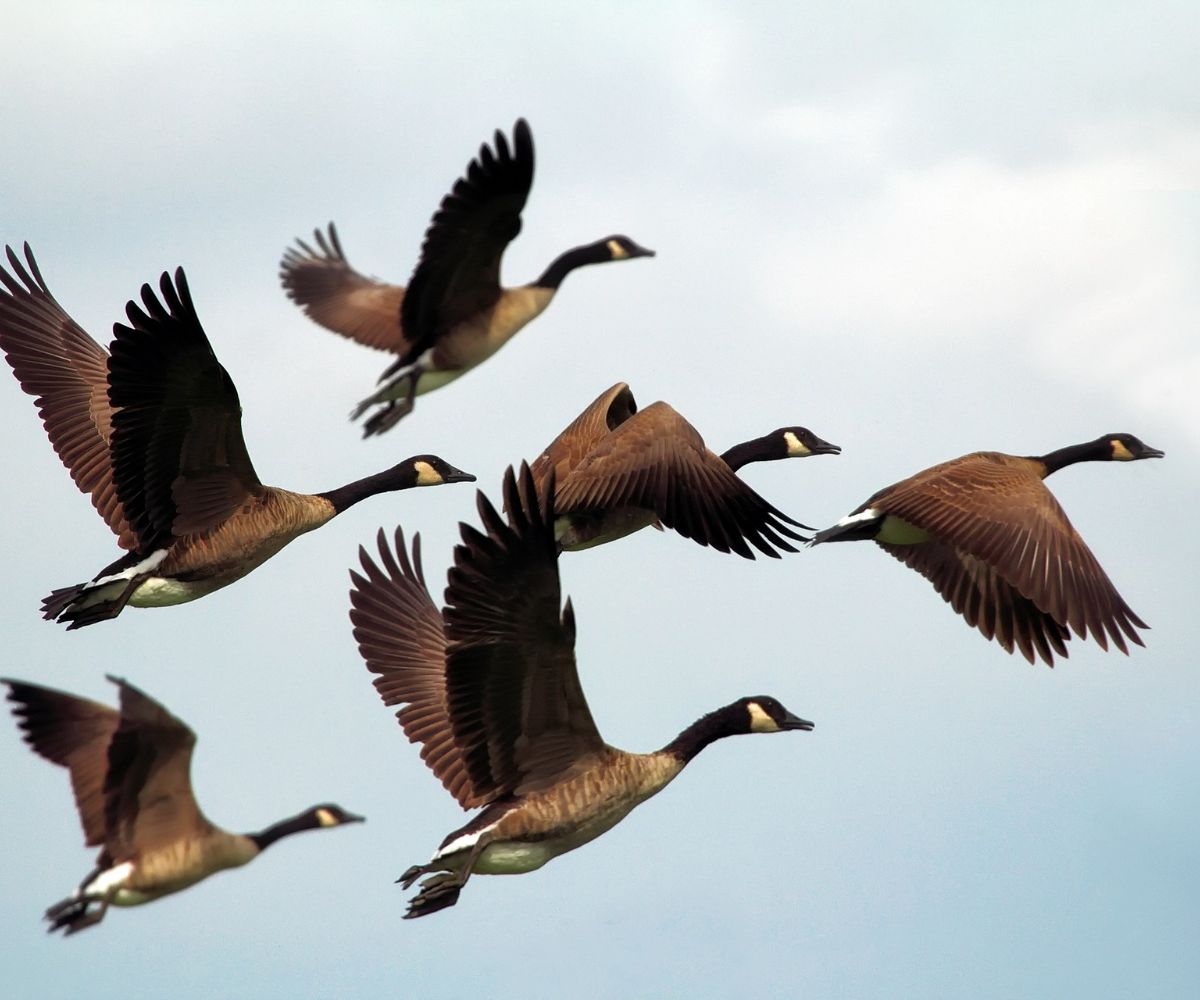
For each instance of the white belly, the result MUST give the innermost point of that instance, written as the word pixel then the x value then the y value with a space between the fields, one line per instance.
pixel 575 532
pixel 165 592
pixel 435 380
pixel 514 858
pixel 897 531
pixel 158 592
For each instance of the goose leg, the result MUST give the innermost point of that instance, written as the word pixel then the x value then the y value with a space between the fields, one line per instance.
pixel 441 890
pixel 87 919
pixel 74 914
pixel 73 604
pixel 396 398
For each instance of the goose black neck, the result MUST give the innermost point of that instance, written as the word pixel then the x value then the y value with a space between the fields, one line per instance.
pixel 763 449
pixel 565 263
pixel 396 478
pixel 727 721
pixel 285 828
pixel 1093 451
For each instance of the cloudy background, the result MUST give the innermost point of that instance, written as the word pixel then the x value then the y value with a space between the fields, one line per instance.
pixel 920 230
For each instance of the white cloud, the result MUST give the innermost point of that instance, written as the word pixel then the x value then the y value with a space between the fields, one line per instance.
pixel 1080 262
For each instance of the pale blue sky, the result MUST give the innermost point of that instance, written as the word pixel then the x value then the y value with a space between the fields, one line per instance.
pixel 918 229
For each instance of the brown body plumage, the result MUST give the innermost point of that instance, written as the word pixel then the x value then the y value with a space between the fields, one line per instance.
pixel 996 544
pixel 619 469
pixel 454 314
pixel 131 774
pixel 490 688
pixel 154 433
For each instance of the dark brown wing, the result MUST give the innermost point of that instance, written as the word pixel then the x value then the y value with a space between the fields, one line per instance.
pixel 399 633
pixel 148 792
pixel 995 508
pixel 604 414
pixel 322 282
pixel 458 275
pixel 985 599
pixel 56 361
pixel 179 458
pixel 74 733
pixel 520 717
pixel 657 461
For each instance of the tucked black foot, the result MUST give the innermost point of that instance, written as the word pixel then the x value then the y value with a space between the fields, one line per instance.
pixel 387 418
pixel 59 600
pixel 61 604
pixel 412 874
pixel 74 915
pixel 437 893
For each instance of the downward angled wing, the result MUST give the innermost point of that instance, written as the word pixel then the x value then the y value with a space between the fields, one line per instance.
pixel 606 413
pixel 179 459
pixel 985 599
pixel 458 274
pixel 74 733
pixel 657 461
pixel 400 636
pixel 56 361
pixel 148 792
pixel 322 282
pixel 1024 533
pixel 519 713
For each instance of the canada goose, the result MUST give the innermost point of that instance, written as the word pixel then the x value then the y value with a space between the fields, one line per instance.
pixel 454 314
pixel 130 771
pixel 154 434
pixel 489 686
pixel 985 531
pixel 619 469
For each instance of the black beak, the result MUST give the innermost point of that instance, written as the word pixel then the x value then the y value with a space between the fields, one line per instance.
pixel 352 817
pixel 1149 452
pixel 825 448
pixel 795 722
pixel 637 251
pixel 454 475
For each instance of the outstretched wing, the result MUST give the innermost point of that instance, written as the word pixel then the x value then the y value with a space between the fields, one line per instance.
pixel 74 733
pixel 321 281
pixel 1023 533
pixel 489 686
pixel 583 434
pixel 56 361
pixel 657 461
pixel 179 459
pixel 458 274
pixel 985 599
pixel 400 636
pixel 148 791
pixel 519 714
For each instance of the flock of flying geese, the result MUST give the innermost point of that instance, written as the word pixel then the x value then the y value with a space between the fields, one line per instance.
pixel 488 685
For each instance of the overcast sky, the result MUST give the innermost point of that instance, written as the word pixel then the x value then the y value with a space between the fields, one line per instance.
pixel 919 230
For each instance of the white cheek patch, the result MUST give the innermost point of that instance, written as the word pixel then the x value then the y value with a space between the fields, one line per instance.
pixel 617 251
pixel 795 447
pixel 326 818
pixel 427 475
pixel 1120 452
pixel 760 721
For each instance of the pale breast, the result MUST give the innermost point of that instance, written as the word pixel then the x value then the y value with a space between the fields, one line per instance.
pixel 478 338
pixel 180 865
pixel 583 530
pixel 550 823
pixel 246 540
